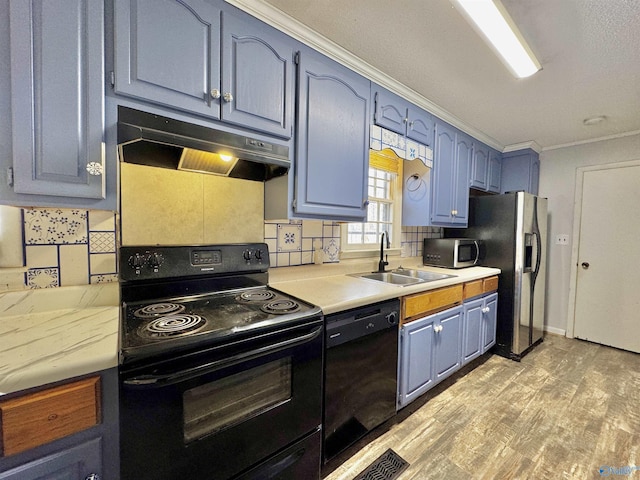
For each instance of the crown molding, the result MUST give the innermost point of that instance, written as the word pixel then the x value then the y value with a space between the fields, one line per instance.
pixel 532 144
pixel 592 140
pixel 292 27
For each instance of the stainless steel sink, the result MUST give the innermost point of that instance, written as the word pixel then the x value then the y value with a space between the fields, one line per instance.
pixel 421 274
pixel 403 276
pixel 390 277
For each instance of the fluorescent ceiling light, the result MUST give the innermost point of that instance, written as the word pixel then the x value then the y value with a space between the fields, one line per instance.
pixel 495 24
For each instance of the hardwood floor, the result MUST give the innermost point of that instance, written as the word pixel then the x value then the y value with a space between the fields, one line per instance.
pixel 569 408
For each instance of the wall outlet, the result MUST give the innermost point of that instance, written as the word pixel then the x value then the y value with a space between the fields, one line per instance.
pixel 562 239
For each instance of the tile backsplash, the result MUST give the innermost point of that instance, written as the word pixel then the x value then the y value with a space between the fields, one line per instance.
pixel 412 237
pixel 64 247
pixel 293 242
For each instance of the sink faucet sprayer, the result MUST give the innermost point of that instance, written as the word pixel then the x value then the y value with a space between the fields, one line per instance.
pixel 383 261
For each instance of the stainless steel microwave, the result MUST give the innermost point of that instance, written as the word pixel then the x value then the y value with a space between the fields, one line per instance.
pixel 452 252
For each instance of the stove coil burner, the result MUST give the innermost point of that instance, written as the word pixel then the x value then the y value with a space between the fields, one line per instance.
pixel 158 310
pixel 172 325
pixel 261 296
pixel 280 307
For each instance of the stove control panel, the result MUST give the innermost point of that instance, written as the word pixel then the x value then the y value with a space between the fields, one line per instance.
pixel 142 263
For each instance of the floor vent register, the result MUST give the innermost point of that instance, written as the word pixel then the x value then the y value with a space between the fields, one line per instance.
pixel 386 467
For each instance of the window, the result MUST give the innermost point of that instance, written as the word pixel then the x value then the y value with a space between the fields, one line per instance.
pixel 384 210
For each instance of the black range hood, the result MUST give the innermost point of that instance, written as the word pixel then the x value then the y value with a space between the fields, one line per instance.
pixel 153 140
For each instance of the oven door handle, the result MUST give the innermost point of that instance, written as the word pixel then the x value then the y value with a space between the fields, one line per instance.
pixel 175 377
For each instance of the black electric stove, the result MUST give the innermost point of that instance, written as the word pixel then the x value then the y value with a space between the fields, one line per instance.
pixel 220 375
pixel 188 297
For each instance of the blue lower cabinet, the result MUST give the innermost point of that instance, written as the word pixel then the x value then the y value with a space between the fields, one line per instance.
pixel 472 330
pixel 479 326
pixel 489 319
pixel 430 351
pixel 76 463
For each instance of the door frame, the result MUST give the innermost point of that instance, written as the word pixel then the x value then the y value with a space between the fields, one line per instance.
pixel 577 223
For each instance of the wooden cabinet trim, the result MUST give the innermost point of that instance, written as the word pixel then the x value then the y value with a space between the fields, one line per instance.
pixel 490 284
pixel 432 301
pixel 38 418
pixel 473 289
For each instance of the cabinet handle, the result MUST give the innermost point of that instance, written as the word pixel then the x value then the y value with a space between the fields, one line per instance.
pixel 228 97
pixel 438 328
pixel 365 203
pixel 454 212
pixel 486 310
pixel 405 120
pixel 215 93
pixel 92 476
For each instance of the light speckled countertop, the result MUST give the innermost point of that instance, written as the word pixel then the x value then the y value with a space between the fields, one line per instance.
pixel 331 288
pixel 53 334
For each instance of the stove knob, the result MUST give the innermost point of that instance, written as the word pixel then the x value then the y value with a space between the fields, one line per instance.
pixel 137 261
pixel 247 255
pixel 155 260
pixel 258 255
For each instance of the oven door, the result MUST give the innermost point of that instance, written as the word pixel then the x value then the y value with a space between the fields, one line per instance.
pixel 215 414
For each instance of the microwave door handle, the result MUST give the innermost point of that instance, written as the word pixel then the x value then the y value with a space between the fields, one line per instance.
pixel 175 377
pixel 475 262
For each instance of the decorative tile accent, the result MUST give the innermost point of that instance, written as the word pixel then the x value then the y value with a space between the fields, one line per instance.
pixel 104 278
pixel 381 138
pixel 289 238
pixel 292 242
pixel 43 278
pixel 69 246
pixel 331 248
pixel 59 226
pixel 102 242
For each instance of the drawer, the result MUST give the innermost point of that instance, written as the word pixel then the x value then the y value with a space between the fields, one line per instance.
pixel 429 302
pixel 490 284
pixel 41 417
pixel 480 287
pixel 473 289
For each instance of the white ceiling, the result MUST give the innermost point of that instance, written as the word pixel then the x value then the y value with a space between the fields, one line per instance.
pixel 589 51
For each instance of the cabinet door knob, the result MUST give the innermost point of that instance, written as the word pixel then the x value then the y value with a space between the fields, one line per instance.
pixel 94 168
pixel 215 93
pixel 486 310
pixel 92 476
pixel 585 265
pixel 228 97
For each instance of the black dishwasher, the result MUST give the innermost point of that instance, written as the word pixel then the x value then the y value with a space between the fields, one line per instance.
pixel 360 373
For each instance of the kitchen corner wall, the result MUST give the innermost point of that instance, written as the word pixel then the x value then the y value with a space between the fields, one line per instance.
pixel 63 247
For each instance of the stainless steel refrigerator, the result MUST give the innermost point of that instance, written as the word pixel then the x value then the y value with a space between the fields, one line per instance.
pixel 513 227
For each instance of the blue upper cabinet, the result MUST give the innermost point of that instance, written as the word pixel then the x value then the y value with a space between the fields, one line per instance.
pixel 486 167
pixel 332 148
pixel 479 166
pixel 168 52
pixel 520 171
pixel 398 115
pixel 57 106
pixel 494 177
pixel 189 55
pixel 257 76
pixel 450 192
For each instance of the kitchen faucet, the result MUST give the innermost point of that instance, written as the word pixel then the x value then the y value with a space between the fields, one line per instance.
pixel 383 262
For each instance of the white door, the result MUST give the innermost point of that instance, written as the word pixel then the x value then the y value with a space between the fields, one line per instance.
pixel 607 309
